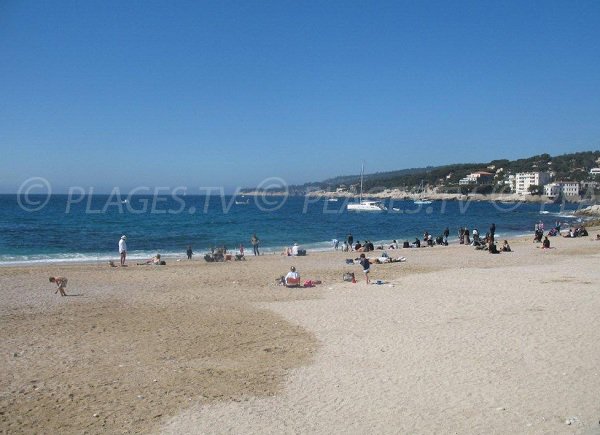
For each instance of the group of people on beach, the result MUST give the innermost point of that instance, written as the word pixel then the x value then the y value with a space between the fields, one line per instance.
pixel 122 246
pixel 486 243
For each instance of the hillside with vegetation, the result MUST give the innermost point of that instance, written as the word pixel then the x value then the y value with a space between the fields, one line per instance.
pixel 566 167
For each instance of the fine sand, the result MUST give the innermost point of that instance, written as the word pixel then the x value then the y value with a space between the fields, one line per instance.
pixel 455 341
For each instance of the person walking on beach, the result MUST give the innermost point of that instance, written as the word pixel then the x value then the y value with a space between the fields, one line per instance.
pixel 492 231
pixel 61 283
pixel 350 240
pixel 189 252
pixel 255 241
pixel 123 249
pixel 364 262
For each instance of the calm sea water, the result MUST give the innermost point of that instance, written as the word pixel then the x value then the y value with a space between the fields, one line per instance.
pixel 61 229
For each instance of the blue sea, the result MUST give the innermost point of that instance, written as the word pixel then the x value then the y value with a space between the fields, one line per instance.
pixel 87 228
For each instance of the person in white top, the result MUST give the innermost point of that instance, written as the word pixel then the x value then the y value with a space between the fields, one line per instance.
pixel 123 249
pixel 293 276
pixel 295 249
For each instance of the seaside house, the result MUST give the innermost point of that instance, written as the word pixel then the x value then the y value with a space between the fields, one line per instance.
pixel 561 188
pixel 524 180
pixel 552 190
pixel 480 177
pixel 594 172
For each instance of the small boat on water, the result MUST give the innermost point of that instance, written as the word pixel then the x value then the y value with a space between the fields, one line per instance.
pixel 242 201
pixel 332 200
pixel 365 205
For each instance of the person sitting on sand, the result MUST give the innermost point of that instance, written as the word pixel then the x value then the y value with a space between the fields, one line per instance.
pixel 506 247
pixel 61 283
pixel 153 260
pixel 475 237
pixel 597 237
pixel 546 243
pixel 538 236
pixel 492 249
pixel 292 277
pixel 429 240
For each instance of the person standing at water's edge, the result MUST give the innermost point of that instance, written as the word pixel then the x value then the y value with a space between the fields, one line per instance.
pixel 123 249
pixel 189 252
pixel 254 240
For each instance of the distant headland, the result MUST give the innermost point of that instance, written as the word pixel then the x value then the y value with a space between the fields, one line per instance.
pixel 571 177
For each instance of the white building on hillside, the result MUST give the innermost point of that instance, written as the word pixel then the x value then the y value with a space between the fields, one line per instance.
pixel 595 171
pixel 512 182
pixel 552 190
pixel 564 188
pixel 523 180
pixel 480 177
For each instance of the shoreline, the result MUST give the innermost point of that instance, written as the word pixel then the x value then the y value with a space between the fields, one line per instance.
pixel 171 257
pixel 396 194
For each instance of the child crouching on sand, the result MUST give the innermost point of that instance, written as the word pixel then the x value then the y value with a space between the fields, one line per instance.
pixel 61 283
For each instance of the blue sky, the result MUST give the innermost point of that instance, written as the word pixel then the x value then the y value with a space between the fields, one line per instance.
pixel 226 93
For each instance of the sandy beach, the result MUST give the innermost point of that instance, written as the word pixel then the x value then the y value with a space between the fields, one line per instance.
pixel 455 341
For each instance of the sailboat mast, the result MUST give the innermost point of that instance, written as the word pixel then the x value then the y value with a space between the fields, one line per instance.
pixel 362 170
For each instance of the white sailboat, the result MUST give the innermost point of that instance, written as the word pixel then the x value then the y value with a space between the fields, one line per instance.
pixel 365 205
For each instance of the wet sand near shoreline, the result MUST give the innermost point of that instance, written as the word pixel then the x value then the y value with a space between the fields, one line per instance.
pixel 195 347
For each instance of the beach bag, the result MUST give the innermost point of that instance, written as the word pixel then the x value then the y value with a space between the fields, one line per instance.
pixel 301 252
pixel 348 276
pixel 406 245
